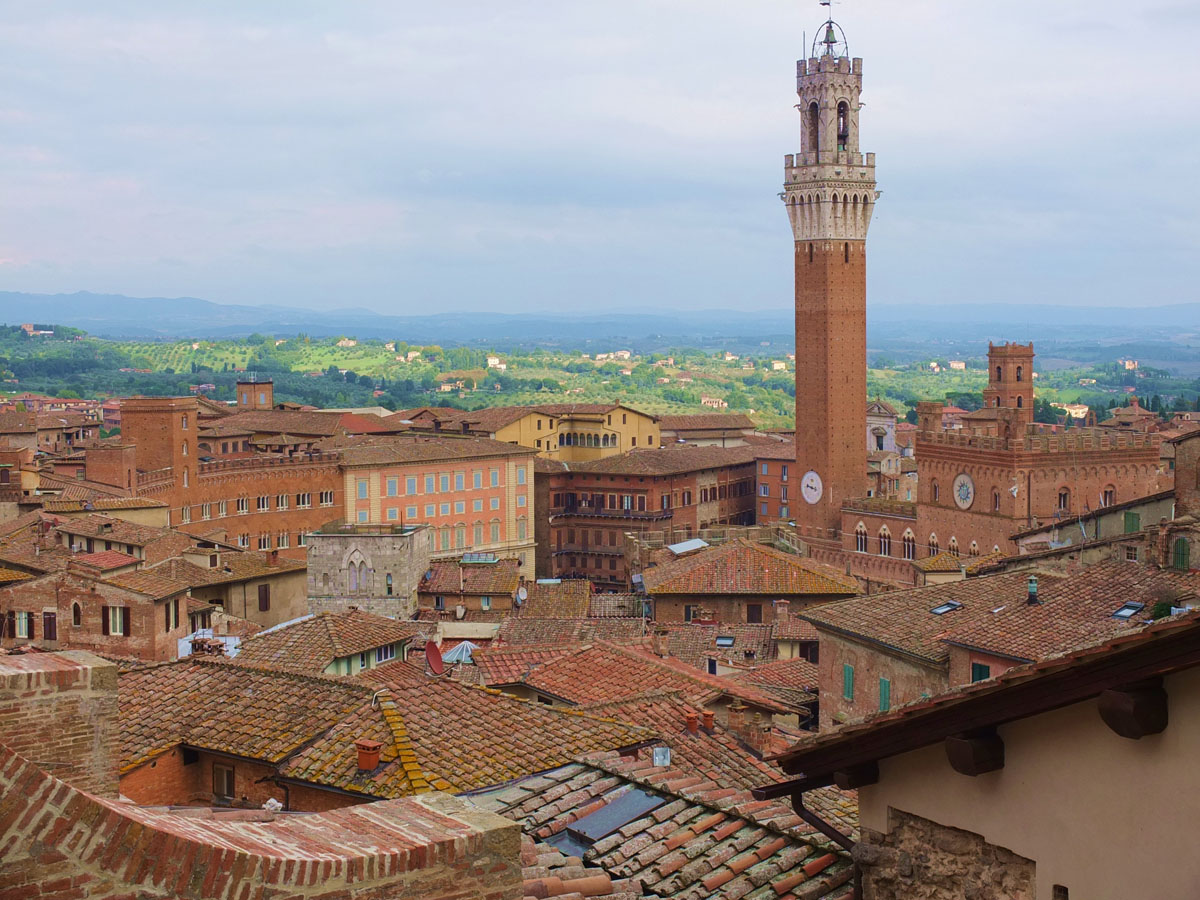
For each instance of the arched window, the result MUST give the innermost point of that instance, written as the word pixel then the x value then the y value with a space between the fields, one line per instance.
pixel 389 584
pixel 1020 373
pixel 1064 499
pixel 353 578
pixel 973 550
pixel 846 251
pixel 76 615
pixel 810 252
pixel 812 127
pixel 995 501
pixel 362 577
pixel 953 546
pixel 909 545
pixel 860 538
pixel 1109 495
pixel 999 374
pixel 934 548
pixel 843 112
pixel 1020 401
pixel 885 542
pixel 325 581
pixel 936 491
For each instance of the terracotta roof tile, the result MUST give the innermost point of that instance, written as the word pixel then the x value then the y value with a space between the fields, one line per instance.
pixel 311 644
pixel 519 630
pixel 604 673
pixel 745 567
pixel 473 737
pixel 696 840
pixel 706 422
pixel 567 597
pixel 454 577
pixel 107 559
pixel 992 613
pixel 151 582
pixel 508 665
pixel 306 725
pixel 672 459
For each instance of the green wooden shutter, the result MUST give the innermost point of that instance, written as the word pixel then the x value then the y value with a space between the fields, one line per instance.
pixel 1183 554
pixel 848 681
pixel 885 694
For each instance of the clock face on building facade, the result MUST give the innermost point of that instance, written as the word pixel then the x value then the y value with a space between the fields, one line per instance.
pixel 811 487
pixel 964 491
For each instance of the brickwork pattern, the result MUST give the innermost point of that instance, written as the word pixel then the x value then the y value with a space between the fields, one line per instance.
pixel 61 710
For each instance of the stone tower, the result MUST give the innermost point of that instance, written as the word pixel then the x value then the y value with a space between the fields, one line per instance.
pixel 829 189
pixel 1010 379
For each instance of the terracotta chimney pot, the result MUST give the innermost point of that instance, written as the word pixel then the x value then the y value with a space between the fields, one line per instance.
pixel 368 754
pixel 693 723
pixel 708 719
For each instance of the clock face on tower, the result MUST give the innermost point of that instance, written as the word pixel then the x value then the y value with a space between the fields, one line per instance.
pixel 964 491
pixel 811 487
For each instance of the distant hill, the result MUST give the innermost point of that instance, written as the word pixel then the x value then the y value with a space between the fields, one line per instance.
pixel 889 326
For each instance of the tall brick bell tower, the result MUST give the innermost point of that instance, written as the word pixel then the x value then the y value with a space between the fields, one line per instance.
pixel 830 194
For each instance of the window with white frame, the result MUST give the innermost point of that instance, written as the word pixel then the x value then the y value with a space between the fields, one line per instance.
pixel 282 501
pixel 243 505
pixel 304 501
pixel 384 653
pixel 264 542
pixel 206 510
pixel 327 498
pixel 222 508
pixel 263 504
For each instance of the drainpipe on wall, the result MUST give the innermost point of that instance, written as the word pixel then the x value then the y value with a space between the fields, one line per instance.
pixel 834 835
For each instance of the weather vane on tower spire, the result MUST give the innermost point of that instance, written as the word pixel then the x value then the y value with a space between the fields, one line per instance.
pixel 831 37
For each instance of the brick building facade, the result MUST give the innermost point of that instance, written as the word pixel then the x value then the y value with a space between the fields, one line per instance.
pixel 685 488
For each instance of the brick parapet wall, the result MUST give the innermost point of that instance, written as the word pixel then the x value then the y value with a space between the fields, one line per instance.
pixel 56 840
pixel 60 709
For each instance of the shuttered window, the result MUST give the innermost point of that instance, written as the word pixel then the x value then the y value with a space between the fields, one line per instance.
pixel 885 694
pixel 848 681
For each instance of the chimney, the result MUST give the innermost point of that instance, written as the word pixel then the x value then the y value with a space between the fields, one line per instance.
pixel 782 611
pixel 658 643
pixel 693 722
pixel 368 754
pixel 737 711
pixel 707 717
pixel 1032 599
pixel 273 558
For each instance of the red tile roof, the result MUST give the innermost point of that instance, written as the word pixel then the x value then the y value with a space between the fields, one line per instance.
pixel 508 665
pixel 672 459
pixel 474 738
pixel 745 567
pixel 451 576
pixel 520 630
pixel 311 644
pixel 704 841
pixel 567 597
pixel 305 725
pixel 993 614
pixel 107 559
pixel 604 673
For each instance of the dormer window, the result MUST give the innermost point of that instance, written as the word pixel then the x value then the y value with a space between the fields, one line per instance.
pixel 946 607
pixel 1129 610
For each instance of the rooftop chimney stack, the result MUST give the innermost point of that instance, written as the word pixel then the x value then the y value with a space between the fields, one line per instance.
pixel 782 611
pixel 707 718
pixel 693 722
pixel 1032 600
pixel 368 754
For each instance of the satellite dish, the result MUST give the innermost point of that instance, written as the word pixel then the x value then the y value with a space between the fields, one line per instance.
pixel 522 594
pixel 433 658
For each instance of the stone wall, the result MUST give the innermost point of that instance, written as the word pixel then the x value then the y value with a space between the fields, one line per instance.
pixel 403 556
pixel 922 860
pixel 60 710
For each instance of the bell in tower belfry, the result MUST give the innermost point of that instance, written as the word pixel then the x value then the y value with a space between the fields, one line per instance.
pixel 829 190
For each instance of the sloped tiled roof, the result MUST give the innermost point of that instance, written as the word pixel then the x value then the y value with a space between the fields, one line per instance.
pixel 518 630
pixel 615 605
pixel 312 643
pixel 704 841
pixel 151 582
pixel 452 576
pixel 100 504
pixel 791 681
pixel 474 737
pixel 304 724
pixel 706 422
pixel 604 673
pixel 112 528
pixel 941 562
pixel 672 459
pixel 407 448
pixel 715 755
pixel 569 597
pixel 236 565
pixel 695 644
pixel 745 567
pixel 995 617
pixel 508 665
pixel 107 559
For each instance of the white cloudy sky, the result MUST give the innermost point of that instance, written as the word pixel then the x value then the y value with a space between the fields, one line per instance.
pixel 538 155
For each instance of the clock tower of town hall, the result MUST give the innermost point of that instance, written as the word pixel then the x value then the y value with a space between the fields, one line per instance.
pixel 829 190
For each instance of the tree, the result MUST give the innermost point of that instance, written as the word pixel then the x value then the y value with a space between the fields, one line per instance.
pixel 1045 413
pixel 911 416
